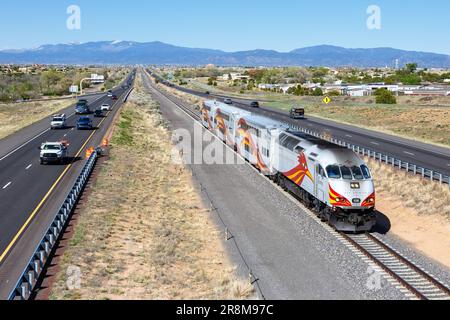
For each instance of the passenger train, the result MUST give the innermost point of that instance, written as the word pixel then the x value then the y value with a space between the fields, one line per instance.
pixel 331 180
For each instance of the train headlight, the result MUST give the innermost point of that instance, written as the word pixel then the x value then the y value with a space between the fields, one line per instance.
pixel 370 201
pixel 355 185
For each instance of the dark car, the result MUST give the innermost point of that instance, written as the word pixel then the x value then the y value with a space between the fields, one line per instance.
pixel 297 113
pixel 254 104
pixel 98 113
pixel 82 109
pixel 84 123
pixel 114 97
pixel 207 92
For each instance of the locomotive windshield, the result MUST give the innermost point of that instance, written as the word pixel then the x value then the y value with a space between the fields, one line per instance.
pixel 333 172
pixel 366 172
pixel 346 173
pixel 343 172
pixel 357 173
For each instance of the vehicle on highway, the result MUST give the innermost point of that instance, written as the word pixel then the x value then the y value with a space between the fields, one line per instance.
pixel 82 107
pixel 84 123
pixel 58 122
pixel 114 97
pixel 54 152
pixel 228 101
pixel 254 104
pixel 98 113
pixel 105 107
pixel 331 180
pixel 297 113
pixel 208 93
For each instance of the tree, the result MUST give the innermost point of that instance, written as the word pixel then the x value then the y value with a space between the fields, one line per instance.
pixel 411 67
pixel 384 96
pixel 317 92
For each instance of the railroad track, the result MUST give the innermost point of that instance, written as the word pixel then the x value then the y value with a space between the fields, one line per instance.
pixel 176 101
pixel 421 284
pixel 412 277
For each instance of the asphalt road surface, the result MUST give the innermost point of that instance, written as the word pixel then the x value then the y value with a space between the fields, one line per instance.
pixel 429 156
pixel 24 183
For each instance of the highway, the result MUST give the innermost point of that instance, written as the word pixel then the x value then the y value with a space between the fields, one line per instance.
pixel 414 152
pixel 25 185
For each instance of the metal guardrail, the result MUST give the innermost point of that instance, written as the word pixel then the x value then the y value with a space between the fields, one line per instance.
pixel 389 160
pixel 27 281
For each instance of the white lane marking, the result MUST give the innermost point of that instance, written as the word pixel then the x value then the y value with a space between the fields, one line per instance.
pixel 7 185
pixel 29 166
pixel 23 145
pixel 348 136
pixel 65 135
pixel 409 153
pixel 37 136
pixel 375 143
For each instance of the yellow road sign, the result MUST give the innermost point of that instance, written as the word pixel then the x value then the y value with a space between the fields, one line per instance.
pixel 326 100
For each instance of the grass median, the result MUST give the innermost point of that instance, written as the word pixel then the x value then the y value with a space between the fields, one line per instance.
pixel 144 232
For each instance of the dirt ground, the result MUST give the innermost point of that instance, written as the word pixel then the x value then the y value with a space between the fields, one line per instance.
pixel 419 210
pixel 15 116
pixel 145 233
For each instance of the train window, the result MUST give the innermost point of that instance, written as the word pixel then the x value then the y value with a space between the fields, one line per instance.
pixel 299 149
pixel 333 172
pixel 266 152
pixel 357 173
pixel 290 142
pixel 366 172
pixel 225 117
pixel 321 171
pixel 346 173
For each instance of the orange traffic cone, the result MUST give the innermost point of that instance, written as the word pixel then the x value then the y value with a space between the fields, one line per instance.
pixel 89 152
pixel 105 142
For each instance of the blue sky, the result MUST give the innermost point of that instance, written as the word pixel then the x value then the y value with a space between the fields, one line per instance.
pixel 231 25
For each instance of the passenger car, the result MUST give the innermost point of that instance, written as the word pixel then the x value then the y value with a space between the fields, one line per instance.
pixel 84 123
pixel 58 122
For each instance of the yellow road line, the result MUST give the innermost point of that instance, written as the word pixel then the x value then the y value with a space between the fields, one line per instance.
pixel 39 206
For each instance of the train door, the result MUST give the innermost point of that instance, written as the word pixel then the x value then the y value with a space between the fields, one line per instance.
pixel 320 183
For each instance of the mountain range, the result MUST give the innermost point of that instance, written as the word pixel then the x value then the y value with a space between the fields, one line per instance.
pixel 159 53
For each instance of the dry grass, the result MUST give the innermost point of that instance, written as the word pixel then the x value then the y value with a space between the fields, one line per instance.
pixel 15 116
pixel 145 233
pixel 422 195
pixel 429 124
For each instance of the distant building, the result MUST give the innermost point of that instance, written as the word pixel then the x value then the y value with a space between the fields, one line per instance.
pixel 234 76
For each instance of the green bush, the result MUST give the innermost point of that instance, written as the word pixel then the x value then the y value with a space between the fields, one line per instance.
pixel 384 96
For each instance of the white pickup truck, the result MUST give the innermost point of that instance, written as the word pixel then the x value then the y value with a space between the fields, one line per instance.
pixel 58 121
pixel 54 152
